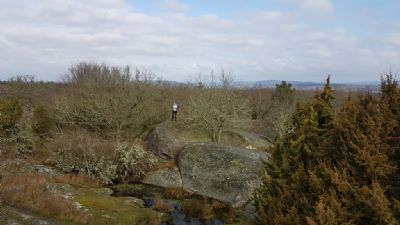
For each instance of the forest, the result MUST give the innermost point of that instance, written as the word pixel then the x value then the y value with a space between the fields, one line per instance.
pixel 332 156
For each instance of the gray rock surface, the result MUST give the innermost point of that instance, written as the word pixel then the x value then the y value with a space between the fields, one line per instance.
pixel 132 201
pixel 103 191
pixel 167 178
pixel 168 138
pixel 64 190
pixel 244 139
pixel 226 173
pixel 46 171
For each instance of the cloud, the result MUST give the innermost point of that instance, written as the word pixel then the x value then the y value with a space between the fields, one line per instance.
pixel 46 37
pixel 317 5
pixel 322 6
pixel 174 5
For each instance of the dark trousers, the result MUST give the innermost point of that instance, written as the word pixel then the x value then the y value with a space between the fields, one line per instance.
pixel 174 115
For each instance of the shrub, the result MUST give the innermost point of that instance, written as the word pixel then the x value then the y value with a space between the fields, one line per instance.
pixel 109 162
pixel 132 162
pixel 10 113
pixel 41 121
pixel 82 152
pixel 23 138
pixel 109 101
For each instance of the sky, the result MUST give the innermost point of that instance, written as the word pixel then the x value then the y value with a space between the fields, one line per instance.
pixel 302 40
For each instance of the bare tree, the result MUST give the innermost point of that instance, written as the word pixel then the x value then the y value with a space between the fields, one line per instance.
pixel 106 99
pixel 215 106
pixel 279 115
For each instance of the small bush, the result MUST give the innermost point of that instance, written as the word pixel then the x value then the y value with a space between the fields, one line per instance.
pixel 109 162
pixel 23 138
pixel 132 162
pixel 10 113
pixel 82 152
pixel 28 191
pixel 41 121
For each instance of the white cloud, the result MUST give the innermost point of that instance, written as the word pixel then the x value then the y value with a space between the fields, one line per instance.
pixel 321 6
pixel 317 5
pixel 48 36
pixel 176 6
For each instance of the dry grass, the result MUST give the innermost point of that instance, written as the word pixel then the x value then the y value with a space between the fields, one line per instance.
pixel 218 204
pixel 161 205
pixel 177 193
pixel 167 165
pixel 28 191
pixel 77 180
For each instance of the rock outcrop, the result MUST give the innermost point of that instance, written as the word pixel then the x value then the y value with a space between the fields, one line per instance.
pixel 167 139
pixel 167 178
pixel 226 173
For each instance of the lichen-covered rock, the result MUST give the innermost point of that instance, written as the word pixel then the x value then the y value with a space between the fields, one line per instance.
pixel 244 139
pixel 103 191
pixel 46 170
pixel 167 178
pixel 167 139
pixel 64 190
pixel 132 201
pixel 229 174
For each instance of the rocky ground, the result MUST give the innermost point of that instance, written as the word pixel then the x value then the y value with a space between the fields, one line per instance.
pixel 222 175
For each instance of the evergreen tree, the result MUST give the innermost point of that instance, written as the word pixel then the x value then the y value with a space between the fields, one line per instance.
pixel 390 96
pixel 355 167
pixel 292 187
pixel 337 170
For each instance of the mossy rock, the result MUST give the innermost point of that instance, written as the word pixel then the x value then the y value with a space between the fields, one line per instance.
pixel 168 138
pixel 226 173
pixel 13 216
pixel 110 210
pixel 167 178
pixel 102 208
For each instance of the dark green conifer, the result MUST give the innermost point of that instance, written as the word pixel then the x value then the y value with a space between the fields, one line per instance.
pixel 291 188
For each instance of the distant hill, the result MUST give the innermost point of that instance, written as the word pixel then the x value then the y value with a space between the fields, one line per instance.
pixel 365 85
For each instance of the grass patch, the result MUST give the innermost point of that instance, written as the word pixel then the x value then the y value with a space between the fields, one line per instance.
pixel 81 180
pixel 108 210
pixel 28 191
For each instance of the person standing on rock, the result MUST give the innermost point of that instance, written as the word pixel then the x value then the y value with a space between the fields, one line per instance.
pixel 174 111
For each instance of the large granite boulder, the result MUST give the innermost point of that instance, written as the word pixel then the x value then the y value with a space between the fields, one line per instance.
pixel 167 139
pixel 229 174
pixel 244 139
pixel 167 178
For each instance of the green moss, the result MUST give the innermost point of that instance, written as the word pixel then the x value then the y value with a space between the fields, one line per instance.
pixel 110 210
